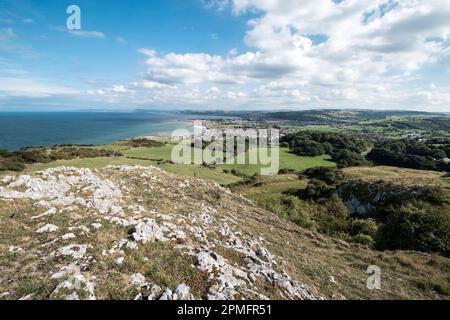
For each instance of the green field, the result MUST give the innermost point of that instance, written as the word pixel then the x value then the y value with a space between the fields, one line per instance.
pixel 155 153
pixel 287 161
pixel 161 156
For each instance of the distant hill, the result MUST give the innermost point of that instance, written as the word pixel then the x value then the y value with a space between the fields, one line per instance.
pixel 325 116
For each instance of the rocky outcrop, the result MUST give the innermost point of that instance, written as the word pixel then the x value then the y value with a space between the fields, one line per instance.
pixel 118 197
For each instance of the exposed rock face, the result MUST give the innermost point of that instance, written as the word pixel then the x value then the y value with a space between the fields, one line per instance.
pixel 56 184
pixel 130 200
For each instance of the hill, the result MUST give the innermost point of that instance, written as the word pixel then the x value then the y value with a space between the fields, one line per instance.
pixel 126 232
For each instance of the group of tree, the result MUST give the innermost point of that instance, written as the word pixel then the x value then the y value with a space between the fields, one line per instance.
pixel 345 150
pixel 411 154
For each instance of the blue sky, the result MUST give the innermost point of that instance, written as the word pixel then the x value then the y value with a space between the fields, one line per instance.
pixel 225 54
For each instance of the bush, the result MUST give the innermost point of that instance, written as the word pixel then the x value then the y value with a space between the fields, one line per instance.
pixel 331 217
pixel 11 164
pixel 329 175
pixel 288 207
pixel 363 226
pixel 315 190
pixel 419 226
pixel 142 142
pixel 345 150
pixel 364 239
pixel 410 154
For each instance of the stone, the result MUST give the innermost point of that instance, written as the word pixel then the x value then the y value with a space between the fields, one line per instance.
pixel 48 228
pixel 42 204
pixel 73 250
pixel 332 279
pixel 182 292
pixel 75 283
pixel 49 212
pixel 154 292
pixel 28 296
pixel 71 269
pixel 148 231
pixel 68 236
pixel 137 280
pixel 167 295
pixel 15 249
pixel 209 261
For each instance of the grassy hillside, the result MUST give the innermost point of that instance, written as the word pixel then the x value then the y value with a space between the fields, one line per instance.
pixel 192 215
pixel 398 175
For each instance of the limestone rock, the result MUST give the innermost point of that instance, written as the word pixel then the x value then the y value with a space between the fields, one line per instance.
pixel 48 228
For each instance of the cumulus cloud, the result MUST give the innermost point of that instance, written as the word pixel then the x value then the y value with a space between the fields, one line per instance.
pixel 309 54
pixel 363 43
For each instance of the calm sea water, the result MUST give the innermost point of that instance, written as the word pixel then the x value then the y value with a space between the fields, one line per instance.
pixel 23 129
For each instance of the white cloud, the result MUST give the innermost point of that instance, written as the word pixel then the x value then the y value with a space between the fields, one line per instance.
pixel 29 87
pixel 310 54
pixel 219 5
pixel 121 40
pixel 28 21
pixel 364 43
pixel 7 34
pixel 147 52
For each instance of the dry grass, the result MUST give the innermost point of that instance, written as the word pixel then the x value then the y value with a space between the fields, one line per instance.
pixel 308 257
pixel 396 175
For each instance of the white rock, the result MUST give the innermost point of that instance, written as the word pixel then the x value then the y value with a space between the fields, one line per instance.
pixel 15 249
pixel 75 251
pixel 76 283
pixel 182 292
pixel 73 297
pixel 71 269
pixel 209 261
pixel 42 204
pixel 68 236
pixel 28 296
pixel 48 228
pixel 148 231
pixel 332 279
pixel 167 295
pixel 154 292
pixel 49 212
pixel 137 280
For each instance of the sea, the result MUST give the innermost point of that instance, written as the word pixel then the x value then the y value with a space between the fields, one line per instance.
pixel 34 129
